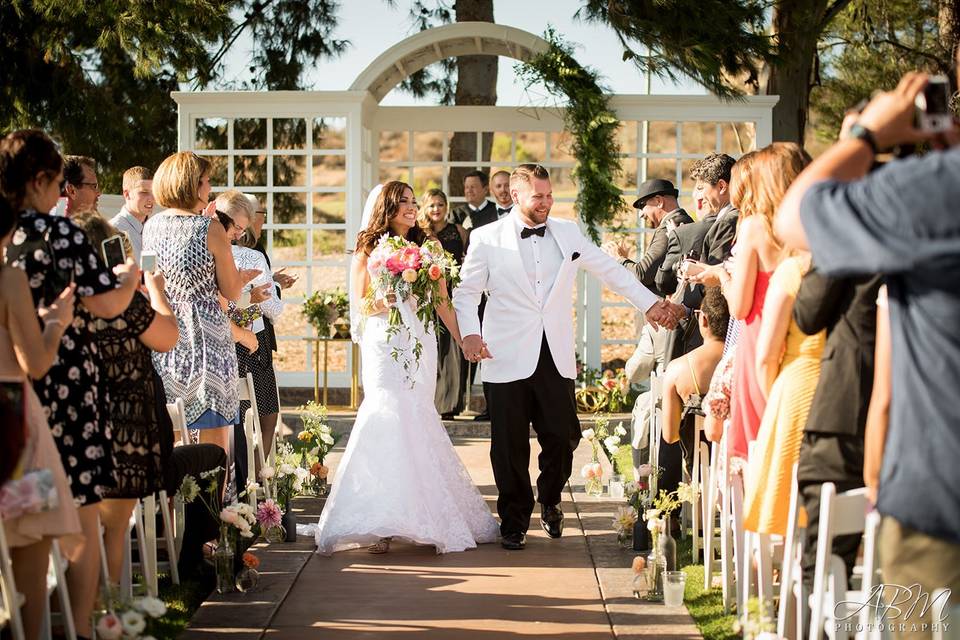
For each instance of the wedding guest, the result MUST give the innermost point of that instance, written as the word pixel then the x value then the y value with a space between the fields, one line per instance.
pixel 451 365
pixel 28 350
pixel 54 253
pixel 685 382
pixel 788 368
pixel 256 358
pixel 81 186
pixel 478 210
pixel 500 188
pixel 758 182
pixel 898 221
pixel 142 430
pixel 197 264
pixel 137 206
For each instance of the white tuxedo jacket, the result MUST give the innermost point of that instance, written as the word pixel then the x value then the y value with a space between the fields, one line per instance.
pixel 513 322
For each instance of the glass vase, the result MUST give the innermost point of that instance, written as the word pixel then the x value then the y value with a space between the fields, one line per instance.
pixel 320 486
pixel 275 534
pixel 625 538
pixel 223 559
pixel 247 579
pixel 593 487
pixel 656 567
pixel 667 547
pixel 615 488
pixel 290 524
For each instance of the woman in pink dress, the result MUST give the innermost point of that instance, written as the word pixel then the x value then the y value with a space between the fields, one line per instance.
pixel 757 183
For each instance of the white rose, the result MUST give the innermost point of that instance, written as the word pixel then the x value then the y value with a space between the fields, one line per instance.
pixel 133 623
pixel 266 473
pixel 589 434
pixel 620 431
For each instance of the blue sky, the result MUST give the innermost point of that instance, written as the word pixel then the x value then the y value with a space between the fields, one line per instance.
pixel 372 27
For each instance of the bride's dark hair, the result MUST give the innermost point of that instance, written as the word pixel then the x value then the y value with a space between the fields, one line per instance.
pixel 385 209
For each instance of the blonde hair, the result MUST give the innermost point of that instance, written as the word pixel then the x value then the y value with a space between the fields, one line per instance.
pixel 176 183
pixel 760 179
pixel 234 202
pixel 423 219
pixel 525 173
pixel 133 175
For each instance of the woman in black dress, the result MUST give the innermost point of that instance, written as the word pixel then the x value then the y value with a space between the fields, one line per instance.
pixel 141 427
pixel 54 252
pixel 451 366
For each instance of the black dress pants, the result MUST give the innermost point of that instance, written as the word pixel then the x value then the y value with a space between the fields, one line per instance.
pixel 546 400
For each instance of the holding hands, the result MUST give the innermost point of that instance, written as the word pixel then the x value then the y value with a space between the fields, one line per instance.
pixel 665 314
pixel 475 349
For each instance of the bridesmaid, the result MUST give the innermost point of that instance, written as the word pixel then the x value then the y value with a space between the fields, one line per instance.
pixel 451 365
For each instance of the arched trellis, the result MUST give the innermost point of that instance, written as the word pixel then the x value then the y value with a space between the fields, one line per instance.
pixel 340 157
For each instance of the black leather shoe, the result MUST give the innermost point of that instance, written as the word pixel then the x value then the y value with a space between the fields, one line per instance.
pixel 551 519
pixel 513 541
pixel 482 417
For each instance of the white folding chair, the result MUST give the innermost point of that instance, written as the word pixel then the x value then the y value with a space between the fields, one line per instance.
pixel 840 514
pixel 653 432
pixel 138 522
pixel 710 499
pixel 793 601
pixel 741 562
pixel 251 428
pixel 178 415
pixel 57 581
pixel 942 612
pixel 12 599
pixel 152 542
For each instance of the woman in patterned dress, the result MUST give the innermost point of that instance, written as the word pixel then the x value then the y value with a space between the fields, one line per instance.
pixel 194 256
pixel 142 430
pixel 54 252
pixel 451 365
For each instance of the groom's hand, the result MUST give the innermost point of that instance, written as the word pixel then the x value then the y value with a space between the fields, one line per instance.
pixel 663 314
pixel 474 349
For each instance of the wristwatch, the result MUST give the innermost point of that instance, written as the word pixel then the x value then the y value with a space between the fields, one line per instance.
pixel 860 132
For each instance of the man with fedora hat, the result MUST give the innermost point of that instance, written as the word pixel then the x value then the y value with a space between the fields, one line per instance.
pixel 657 203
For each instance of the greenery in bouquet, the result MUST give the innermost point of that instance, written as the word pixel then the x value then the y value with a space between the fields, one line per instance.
pixel 140 618
pixel 236 520
pixel 316 435
pixel 604 391
pixel 322 308
pixel 416 273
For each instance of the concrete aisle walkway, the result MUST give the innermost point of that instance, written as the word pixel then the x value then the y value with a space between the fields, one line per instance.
pixel 568 588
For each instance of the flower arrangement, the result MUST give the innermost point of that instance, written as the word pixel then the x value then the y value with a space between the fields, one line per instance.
pixel 623 522
pixel 239 516
pixel 270 518
pixel 289 474
pixel 316 433
pixel 413 273
pixel 248 578
pixel 606 391
pixel 323 308
pixel 600 436
pixel 131 620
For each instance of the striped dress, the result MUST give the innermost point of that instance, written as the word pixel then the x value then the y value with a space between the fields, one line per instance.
pixel 202 368
pixel 767 490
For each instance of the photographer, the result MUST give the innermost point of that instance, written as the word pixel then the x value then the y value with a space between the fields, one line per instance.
pixel 900 221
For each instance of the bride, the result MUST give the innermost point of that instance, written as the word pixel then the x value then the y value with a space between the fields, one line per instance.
pixel 399 477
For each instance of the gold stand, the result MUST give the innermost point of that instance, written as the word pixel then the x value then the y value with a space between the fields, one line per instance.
pixel 354 369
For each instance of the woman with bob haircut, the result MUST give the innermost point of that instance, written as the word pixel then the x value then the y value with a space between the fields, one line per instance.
pixel 195 259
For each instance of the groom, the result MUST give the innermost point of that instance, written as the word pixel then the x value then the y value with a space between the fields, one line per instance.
pixel 526 264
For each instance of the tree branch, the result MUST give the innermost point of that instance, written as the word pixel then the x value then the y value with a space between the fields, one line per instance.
pixel 832 11
pixel 898 45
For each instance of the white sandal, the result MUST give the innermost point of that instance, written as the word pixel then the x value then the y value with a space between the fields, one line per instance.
pixel 382 546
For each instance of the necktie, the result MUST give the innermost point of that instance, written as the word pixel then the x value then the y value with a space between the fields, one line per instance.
pixel 526 232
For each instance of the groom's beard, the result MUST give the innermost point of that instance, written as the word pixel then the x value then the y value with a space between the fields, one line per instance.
pixel 534 216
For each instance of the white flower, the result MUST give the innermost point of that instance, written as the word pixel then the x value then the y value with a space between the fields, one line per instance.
pixel 619 430
pixel 153 607
pixel 189 489
pixel 624 518
pixel 651 514
pixel 589 434
pixel 326 437
pixel 109 627
pixel 653 525
pixel 266 473
pixel 286 469
pixel 133 623
pixel 686 493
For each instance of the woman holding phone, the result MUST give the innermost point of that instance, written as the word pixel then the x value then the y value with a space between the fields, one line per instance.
pixel 55 254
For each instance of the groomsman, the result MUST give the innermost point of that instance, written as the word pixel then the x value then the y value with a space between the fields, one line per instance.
pixel 477 211
pixel 500 188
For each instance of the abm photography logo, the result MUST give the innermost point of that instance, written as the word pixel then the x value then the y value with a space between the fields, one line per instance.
pixel 895 608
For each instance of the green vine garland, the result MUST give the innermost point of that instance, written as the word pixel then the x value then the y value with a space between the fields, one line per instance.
pixel 593 125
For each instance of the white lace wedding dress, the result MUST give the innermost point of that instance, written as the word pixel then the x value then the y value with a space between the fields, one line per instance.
pixel 400 476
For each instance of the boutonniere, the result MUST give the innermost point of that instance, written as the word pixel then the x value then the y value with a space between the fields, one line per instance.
pixel 576 254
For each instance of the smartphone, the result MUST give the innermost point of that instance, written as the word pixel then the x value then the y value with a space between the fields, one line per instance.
pixel 933 105
pixel 148 261
pixel 61 208
pixel 113 251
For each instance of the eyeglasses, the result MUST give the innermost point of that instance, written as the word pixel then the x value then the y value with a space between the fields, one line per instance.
pixel 93 185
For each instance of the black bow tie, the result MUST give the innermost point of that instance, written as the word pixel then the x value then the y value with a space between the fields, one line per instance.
pixel 526 232
pixel 501 211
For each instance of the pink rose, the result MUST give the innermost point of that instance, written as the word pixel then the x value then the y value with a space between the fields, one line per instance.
pixel 435 272
pixel 229 516
pixel 109 627
pixel 410 257
pixel 394 265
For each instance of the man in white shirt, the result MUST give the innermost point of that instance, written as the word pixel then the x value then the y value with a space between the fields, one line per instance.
pixel 500 188
pixel 137 206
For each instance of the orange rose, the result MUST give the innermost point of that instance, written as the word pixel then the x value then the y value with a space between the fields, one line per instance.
pixel 250 560
pixel 319 470
pixel 435 272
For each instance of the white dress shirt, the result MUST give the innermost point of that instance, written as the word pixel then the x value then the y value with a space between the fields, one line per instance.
pixel 541 259
pixel 128 223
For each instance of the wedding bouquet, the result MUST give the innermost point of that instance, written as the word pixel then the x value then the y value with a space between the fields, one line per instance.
pixel 415 273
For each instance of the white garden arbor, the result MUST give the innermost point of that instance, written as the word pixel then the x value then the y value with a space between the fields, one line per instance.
pixel 312 156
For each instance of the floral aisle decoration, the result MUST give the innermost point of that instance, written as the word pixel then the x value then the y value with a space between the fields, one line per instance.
pixel 140 618
pixel 236 521
pixel 289 477
pixel 663 556
pixel 328 312
pixel 270 519
pixel 601 436
pixel 623 523
pixel 607 391
pixel 410 273
pixel 319 439
pixel 248 577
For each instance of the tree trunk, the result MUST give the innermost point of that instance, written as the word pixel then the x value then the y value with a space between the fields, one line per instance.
pixel 949 24
pixel 798 25
pixel 476 85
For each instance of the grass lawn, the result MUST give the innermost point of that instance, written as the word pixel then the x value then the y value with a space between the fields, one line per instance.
pixel 182 600
pixel 705 607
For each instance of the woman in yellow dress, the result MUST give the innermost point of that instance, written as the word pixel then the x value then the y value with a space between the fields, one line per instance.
pixel 788 367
